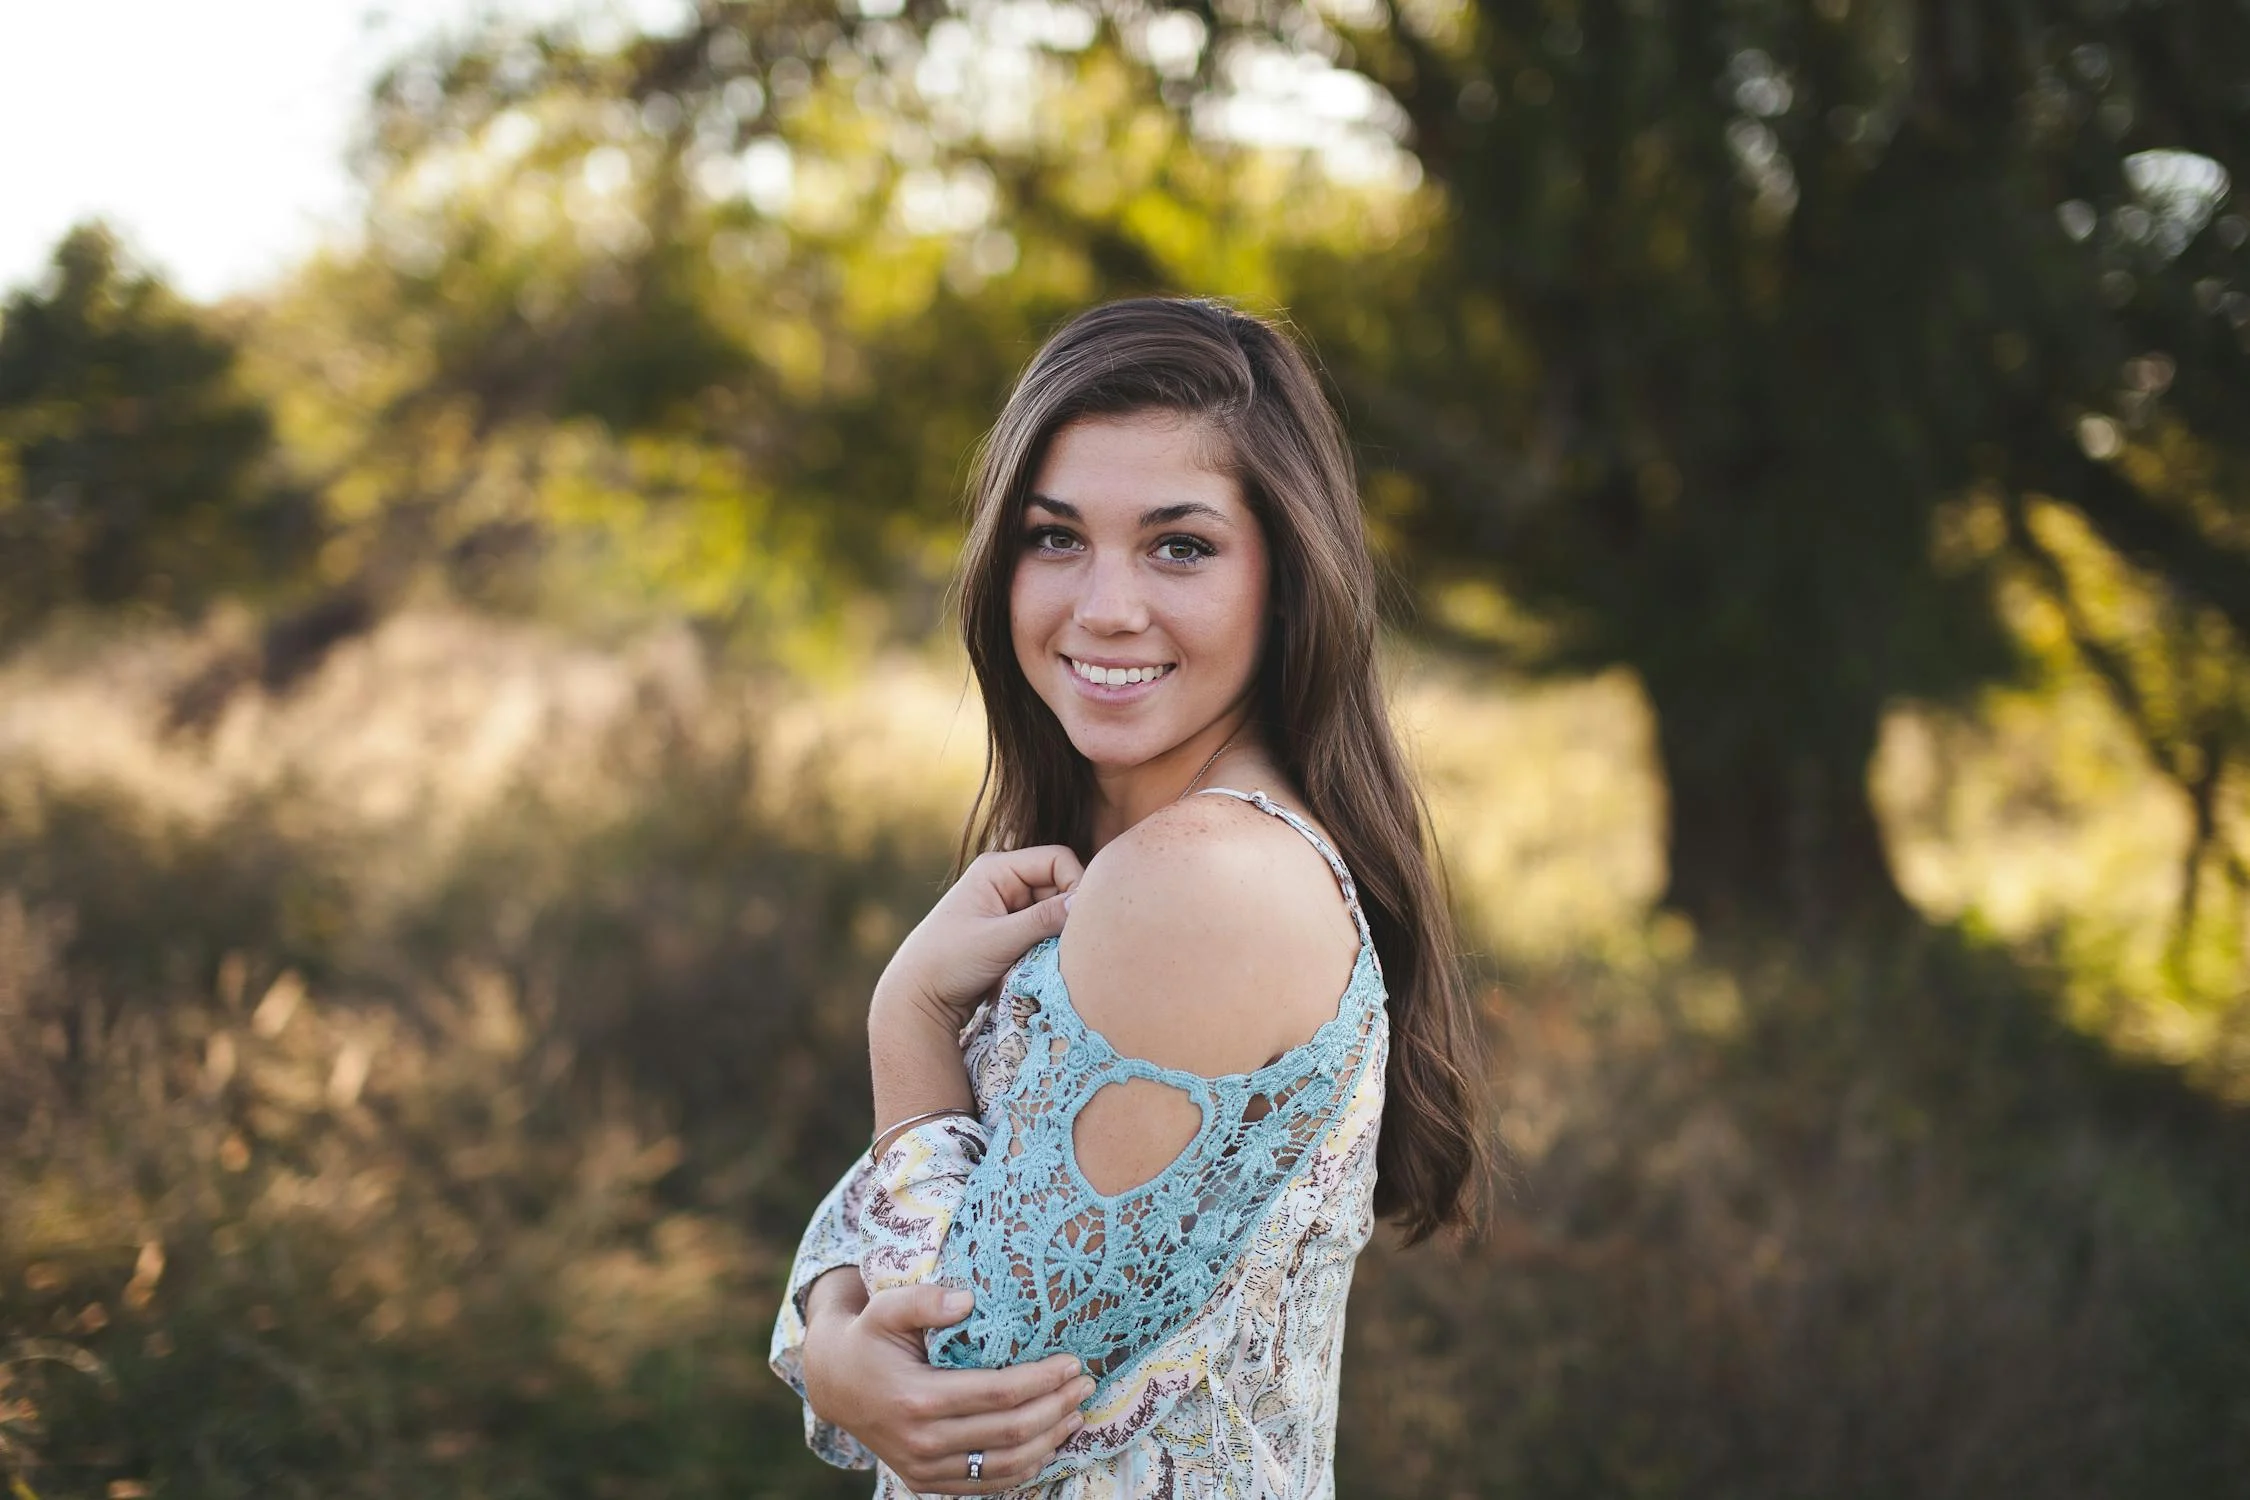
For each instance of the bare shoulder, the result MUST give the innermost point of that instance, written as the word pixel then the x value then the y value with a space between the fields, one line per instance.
pixel 1209 937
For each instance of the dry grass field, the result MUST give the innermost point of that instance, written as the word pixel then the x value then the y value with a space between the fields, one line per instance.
pixel 413 1085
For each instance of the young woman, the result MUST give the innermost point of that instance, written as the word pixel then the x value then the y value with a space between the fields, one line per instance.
pixel 1125 1160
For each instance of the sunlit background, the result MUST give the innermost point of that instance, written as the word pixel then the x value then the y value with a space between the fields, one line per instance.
pixel 477 706
pixel 215 136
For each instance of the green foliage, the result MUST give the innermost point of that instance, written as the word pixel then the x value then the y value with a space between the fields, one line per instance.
pixel 1707 318
pixel 1706 327
pixel 1736 299
pixel 131 462
pixel 779 247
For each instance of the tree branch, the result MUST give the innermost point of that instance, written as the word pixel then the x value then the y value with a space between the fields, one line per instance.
pixel 2139 528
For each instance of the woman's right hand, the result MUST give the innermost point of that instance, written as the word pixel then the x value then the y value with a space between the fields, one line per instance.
pixel 1005 901
pixel 866 1371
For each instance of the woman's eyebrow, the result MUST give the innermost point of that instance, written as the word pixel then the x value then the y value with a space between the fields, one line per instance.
pixel 1165 515
pixel 1162 515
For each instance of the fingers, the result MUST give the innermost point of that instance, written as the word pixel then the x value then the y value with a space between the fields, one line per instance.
pixel 979 1393
pixel 1003 1468
pixel 1016 1439
pixel 1022 1463
pixel 1021 876
pixel 1040 920
pixel 908 1309
pixel 1013 1429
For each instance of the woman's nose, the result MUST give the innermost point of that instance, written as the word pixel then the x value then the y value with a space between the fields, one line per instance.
pixel 1111 602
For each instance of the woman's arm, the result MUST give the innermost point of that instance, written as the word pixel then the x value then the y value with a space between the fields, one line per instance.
pixel 865 1373
pixel 859 1361
pixel 860 1365
pixel 1005 902
pixel 828 1249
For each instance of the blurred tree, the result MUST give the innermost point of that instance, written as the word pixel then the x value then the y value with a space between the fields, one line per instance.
pixel 715 317
pixel 132 464
pixel 1731 341
pixel 1758 327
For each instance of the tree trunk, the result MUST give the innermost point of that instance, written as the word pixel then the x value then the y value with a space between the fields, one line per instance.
pixel 1769 825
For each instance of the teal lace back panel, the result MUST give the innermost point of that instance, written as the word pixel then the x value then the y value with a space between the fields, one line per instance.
pixel 1059 1266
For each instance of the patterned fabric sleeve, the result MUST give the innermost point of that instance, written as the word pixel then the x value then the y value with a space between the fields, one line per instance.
pixel 914 1192
pixel 831 1242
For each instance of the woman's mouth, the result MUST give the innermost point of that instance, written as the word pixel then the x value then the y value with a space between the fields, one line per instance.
pixel 1113 681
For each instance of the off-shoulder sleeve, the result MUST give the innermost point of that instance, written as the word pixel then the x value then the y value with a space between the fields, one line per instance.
pixel 1058 1266
pixel 830 1242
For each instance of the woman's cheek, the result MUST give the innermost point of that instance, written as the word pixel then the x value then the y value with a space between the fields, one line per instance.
pixel 1227 636
pixel 1026 622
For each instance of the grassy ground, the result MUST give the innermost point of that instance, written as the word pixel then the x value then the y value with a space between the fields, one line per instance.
pixel 414 1088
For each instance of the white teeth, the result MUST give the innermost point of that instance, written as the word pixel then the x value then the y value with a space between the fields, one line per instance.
pixel 1116 676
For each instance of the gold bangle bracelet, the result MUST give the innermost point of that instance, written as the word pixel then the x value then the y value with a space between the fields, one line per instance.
pixel 883 1138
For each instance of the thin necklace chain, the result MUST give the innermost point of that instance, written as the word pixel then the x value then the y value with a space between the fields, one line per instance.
pixel 1210 761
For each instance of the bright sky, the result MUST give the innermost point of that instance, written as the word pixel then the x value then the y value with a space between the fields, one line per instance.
pixel 211 133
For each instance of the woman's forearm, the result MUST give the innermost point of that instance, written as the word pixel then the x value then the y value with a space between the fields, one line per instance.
pixel 836 1298
pixel 1003 904
pixel 840 1291
pixel 914 1053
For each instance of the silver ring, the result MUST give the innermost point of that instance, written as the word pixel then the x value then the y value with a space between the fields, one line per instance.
pixel 976 1464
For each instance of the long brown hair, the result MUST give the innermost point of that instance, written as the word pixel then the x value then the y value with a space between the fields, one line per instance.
pixel 1318 702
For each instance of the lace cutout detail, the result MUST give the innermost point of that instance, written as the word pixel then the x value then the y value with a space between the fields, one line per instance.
pixel 1060 1266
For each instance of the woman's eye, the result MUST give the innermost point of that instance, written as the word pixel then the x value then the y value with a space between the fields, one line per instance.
pixel 1183 549
pixel 1048 539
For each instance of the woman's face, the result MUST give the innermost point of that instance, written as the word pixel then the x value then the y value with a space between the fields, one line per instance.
pixel 1139 597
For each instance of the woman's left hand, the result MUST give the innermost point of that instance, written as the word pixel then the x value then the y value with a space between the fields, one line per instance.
pixel 1003 903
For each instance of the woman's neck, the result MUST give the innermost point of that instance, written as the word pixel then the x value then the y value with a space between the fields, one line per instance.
pixel 1228 747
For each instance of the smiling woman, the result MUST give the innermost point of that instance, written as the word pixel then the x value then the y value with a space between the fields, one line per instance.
pixel 1148 1145
pixel 1136 624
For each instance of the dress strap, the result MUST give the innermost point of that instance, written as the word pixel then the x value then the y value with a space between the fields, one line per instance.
pixel 1264 803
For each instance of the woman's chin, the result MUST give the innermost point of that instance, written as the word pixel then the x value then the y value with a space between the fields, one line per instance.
pixel 1111 752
